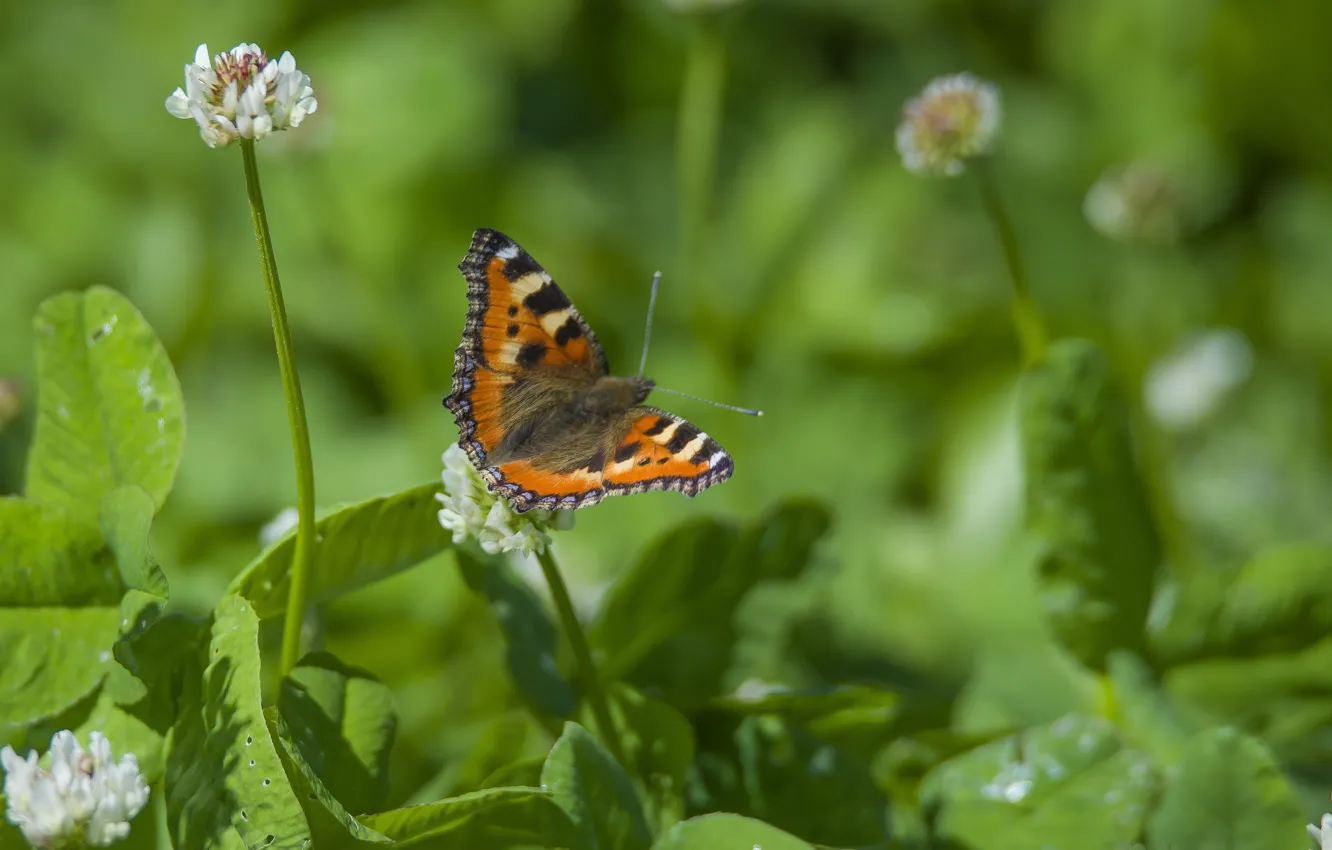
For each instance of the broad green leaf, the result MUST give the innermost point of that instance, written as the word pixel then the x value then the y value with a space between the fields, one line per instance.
pixel 109 406
pixel 72 599
pixel 1068 786
pixel 342 721
pixel 595 792
pixel 769 768
pixel 53 657
pixel 139 729
pixel 1087 504
pixel 223 769
pixel 530 639
pixel 728 832
pixel 358 544
pixel 659 744
pixel 329 820
pixel 50 559
pixel 482 820
pixel 126 520
pixel 1229 794
pixel 668 622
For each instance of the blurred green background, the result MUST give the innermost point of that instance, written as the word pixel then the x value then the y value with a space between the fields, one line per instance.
pixel 863 308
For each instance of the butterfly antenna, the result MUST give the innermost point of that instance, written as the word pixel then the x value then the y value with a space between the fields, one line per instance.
pixel 647 332
pixel 745 410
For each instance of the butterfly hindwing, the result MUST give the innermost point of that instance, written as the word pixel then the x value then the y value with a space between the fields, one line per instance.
pixel 662 451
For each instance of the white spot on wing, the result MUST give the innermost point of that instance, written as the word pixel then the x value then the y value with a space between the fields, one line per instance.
pixel 508 252
pixel 715 459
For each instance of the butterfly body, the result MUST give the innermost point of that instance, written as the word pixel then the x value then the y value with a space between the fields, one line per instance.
pixel 539 413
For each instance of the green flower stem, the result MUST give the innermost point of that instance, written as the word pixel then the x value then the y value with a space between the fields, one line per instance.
pixel 300 431
pixel 698 128
pixel 1027 319
pixel 587 671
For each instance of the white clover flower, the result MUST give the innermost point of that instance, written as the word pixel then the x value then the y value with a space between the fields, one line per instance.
pixel 955 118
pixel 242 94
pixel 1183 389
pixel 470 510
pixel 1136 202
pixel 85 799
pixel 1322 835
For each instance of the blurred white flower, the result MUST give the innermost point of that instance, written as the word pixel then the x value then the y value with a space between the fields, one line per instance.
pixel 1136 202
pixel 1183 389
pixel 955 118
pixel 277 527
pixel 85 799
pixel 1322 835
pixel 242 94
pixel 470 510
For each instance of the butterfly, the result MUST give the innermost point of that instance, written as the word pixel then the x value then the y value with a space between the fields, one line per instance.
pixel 538 412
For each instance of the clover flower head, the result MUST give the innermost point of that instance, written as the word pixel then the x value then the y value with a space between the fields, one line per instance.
pixel 470 511
pixel 278 527
pixel 11 400
pixel 954 119
pixel 1137 202
pixel 1322 833
pixel 1181 390
pixel 84 799
pixel 242 94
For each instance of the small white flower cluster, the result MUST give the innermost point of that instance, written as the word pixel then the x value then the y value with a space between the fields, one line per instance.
pixel 470 510
pixel 1183 389
pixel 955 118
pixel 85 799
pixel 1136 202
pixel 242 94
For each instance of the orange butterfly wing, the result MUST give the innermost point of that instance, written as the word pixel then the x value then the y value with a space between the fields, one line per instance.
pixel 518 320
pixel 659 451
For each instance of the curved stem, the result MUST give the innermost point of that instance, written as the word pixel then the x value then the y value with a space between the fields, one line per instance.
pixel 300 431
pixel 1027 319
pixel 587 671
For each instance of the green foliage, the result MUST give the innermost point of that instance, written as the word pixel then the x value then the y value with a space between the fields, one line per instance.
pixel 359 544
pixel 942 603
pixel 667 623
pixel 1087 503
pixel 727 832
pixel 529 637
pixel 1229 792
pixel 1071 784
pixel 110 410
pixel 342 721
pixel 595 792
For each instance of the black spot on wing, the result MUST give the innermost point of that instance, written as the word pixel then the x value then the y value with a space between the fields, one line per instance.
pixel 682 437
pixel 569 330
pixel 547 299
pixel 703 455
pixel 597 462
pixel 530 354
pixel 626 451
pixel 513 310
pixel 662 423
pixel 511 330
pixel 521 265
